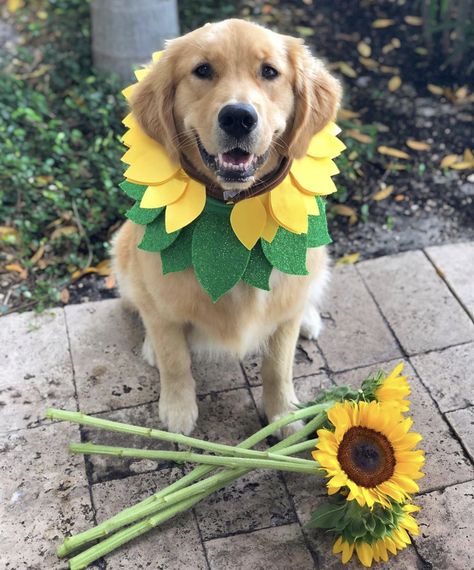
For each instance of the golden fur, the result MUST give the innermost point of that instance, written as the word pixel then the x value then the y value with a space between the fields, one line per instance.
pixel 171 104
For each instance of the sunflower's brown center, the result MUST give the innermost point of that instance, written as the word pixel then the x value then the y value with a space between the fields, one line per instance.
pixel 366 456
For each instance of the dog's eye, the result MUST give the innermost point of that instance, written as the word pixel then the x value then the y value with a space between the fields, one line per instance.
pixel 204 71
pixel 269 72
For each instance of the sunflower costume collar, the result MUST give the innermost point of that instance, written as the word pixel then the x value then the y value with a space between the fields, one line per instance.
pixel 228 242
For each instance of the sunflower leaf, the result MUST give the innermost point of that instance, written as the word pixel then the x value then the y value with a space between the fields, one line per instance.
pixel 327 516
pixel 258 269
pixel 287 252
pixel 156 238
pixel 177 257
pixel 142 216
pixel 219 259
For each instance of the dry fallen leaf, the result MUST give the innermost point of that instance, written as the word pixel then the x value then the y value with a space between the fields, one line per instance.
pixel 7 231
pixel 346 211
pixel 63 231
pixel 396 43
pixel 17 268
pixel 38 255
pixel 81 272
pixel 396 166
pixel 468 156
pixel 104 268
pixel 14 5
pixel 448 160
pixel 390 151
pixel 435 89
pixel 347 114
pixel 389 69
pixel 382 23
pixel 413 20
pixel 369 63
pixel 384 193
pixel 461 93
pixel 417 145
pixel 358 136
pixel 64 296
pixel 364 49
pixel 462 165
pixel 399 198
pixel 348 259
pixel 346 69
pixel 394 83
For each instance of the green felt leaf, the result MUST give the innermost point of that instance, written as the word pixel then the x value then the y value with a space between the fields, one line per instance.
pixel 177 257
pixel 156 238
pixel 219 259
pixel 132 190
pixel 258 269
pixel 287 252
pixel 318 233
pixel 142 216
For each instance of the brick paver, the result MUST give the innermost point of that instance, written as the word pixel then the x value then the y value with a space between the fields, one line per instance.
pixel 414 307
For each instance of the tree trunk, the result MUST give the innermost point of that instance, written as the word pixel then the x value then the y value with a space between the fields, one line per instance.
pixel 126 32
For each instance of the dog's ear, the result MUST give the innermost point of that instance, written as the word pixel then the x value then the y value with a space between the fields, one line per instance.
pixel 152 105
pixel 317 97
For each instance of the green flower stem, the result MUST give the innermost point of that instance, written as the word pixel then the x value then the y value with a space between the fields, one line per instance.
pixel 281 464
pixel 99 423
pixel 154 502
pixel 299 447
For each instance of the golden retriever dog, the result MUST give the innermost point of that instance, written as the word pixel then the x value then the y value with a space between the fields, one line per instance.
pixel 231 99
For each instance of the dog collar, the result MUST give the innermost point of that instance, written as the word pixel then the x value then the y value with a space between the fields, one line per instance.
pixel 228 242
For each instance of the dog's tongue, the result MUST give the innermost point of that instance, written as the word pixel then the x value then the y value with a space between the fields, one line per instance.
pixel 236 157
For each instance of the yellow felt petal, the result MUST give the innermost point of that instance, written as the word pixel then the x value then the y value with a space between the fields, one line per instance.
pixel 270 230
pixel 141 73
pixel 182 212
pixel 319 187
pixel 157 56
pixel 325 145
pixel 288 207
pixel 309 171
pixel 151 165
pixel 248 219
pixel 127 92
pixel 159 196
pixel 332 129
pixel 129 121
pixel 311 205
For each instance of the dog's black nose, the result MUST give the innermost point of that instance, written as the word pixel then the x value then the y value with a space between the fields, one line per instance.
pixel 238 119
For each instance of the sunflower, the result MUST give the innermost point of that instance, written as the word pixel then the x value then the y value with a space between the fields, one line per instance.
pixel 394 540
pixel 287 206
pixel 371 452
pixel 394 389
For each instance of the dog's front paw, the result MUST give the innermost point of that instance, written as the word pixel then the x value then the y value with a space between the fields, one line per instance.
pixel 287 430
pixel 311 324
pixel 179 414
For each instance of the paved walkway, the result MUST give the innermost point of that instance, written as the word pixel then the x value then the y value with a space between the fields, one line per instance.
pixel 417 307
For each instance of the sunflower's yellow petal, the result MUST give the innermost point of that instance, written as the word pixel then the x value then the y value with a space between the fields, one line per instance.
pixel 396 371
pixel 410 508
pixel 128 91
pixel 383 550
pixel 390 545
pixel 391 491
pixel 347 551
pixel 310 203
pixel 365 554
pixel 248 219
pixel 403 535
pixel 408 442
pixel 325 460
pixel 182 212
pixel 328 446
pixel 288 208
pixel 141 73
pixel 308 171
pixel 338 480
pixel 325 145
pixel 339 417
pixel 151 167
pixel 410 524
pixel 159 196
pixel 404 482
pixel 333 490
pixel 368 496
pixel 375 551
pixel 337 546
pixel 156 56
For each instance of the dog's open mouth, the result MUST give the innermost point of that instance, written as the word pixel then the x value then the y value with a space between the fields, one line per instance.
pixel 234 165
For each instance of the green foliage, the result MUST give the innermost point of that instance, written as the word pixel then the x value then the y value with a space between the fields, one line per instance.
pixel 60 163
pixel 194 14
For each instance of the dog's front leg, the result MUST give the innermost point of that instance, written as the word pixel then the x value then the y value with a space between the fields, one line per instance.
pixel 277 373
pixel 178 407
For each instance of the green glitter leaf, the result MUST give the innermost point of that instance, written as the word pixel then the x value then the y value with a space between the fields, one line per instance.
pixel 287 252
pixel 258 269
pixel 177 257
pixel 132 190
pixel 142 216
pixel 219 259
pixel 318 233
pixel 156 238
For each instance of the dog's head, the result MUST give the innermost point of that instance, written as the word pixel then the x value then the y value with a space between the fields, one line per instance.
pixel 234 98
